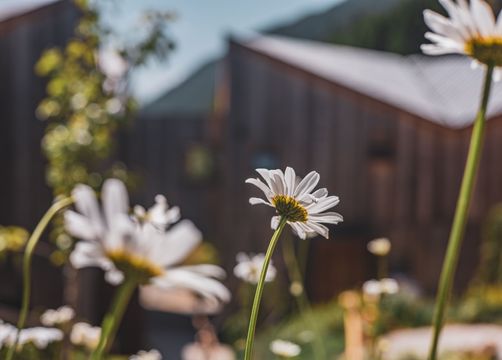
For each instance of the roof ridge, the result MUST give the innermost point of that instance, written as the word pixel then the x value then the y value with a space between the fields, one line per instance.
pixel 422 80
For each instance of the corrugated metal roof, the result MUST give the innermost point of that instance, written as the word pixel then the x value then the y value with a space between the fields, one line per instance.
pixel 444 89
pixel 13 8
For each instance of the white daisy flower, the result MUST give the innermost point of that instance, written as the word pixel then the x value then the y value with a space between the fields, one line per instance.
pixel 375 288
pixel 62 315
pixel 159 215
pixel 294 199
pixel 285 349
pixel 41 337
pixel 124 245
pixel 470 29
pixel 85 335
pixel 147 355
pixel 379 247
pixel 5 332
pixel 249 267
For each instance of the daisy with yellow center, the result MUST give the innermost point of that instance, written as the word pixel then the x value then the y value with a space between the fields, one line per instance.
pixel 296 204
pixel 144 248
pixel 295 200
pixel 471 29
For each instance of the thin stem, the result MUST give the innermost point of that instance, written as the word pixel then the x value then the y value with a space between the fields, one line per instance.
pixel 28 254
pixel 461 212
pixel 114 316
pixel 383 267
pixel 259 289
pixel 303 303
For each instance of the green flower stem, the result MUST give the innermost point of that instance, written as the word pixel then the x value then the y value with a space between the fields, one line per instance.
pixel 28 254
pixel 114 316
pixel 461 212
pixel 259 289
pixel 303 303
pixel 383 267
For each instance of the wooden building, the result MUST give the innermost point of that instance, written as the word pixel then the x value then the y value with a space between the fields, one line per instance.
pixel 389 136
pixel 26 29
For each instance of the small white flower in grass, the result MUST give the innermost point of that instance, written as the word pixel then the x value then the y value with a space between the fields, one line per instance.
pixel 85 335
pixel 249 267
pixel 62 315
pixel 373 289
pixel 389 286
pixel 5 332
pixel 126 245
pixel 295 199
pixel 285 349
pixel 470 29
pixel 147 355
pixel 379 247
pixel 41 337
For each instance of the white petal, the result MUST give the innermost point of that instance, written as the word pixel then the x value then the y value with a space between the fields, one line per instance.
pixel 274 223
pixel 497 74
pixel 177 243
pixel 207 270
pixel 266 175
pixel 307 184
pixel 278 182
pixel 483 16
pixel 328 217
pixel 79 226
pixel 115 199
pixel 434 50
pixel 121 233
pixel 444 41
pixel 320 193
pixel 256 201
pixel 318 228
pixel 88 254
pixel 290 178
pixel 297 229
pixel 185 279
pixel 323 204
pixel 242 257
pixel 442 26
pixel 260 185
pixel 87 204
pixel 499 24
pixel 114 277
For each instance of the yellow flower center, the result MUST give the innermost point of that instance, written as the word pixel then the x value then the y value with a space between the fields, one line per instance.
pixel 290 208
pixel 133 265
pixel 487 50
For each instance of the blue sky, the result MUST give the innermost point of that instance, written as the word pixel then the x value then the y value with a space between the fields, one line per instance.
pixel 201 29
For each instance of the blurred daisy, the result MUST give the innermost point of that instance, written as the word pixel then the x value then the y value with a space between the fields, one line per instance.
pixel 159 215
pixel 147 355
pixel 294 199
pixel 62 315
pixel 470 29
pixel 85 335
pixel 5 332
pixel 285 349
pixel 375 288
pixel 128 245
pixel 249 267
pixel 40 337
pixel 379 247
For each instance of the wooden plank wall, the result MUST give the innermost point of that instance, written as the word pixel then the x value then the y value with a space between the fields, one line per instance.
pixel 396 175
pixel 23 193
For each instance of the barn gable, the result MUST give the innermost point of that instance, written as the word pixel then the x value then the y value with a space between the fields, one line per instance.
pixel 443 90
